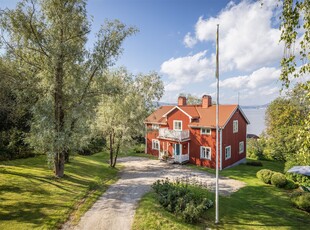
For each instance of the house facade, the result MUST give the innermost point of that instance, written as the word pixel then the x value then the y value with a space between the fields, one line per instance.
pixel 187 133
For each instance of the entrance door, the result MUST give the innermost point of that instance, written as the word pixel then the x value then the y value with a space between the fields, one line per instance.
pixel 177 149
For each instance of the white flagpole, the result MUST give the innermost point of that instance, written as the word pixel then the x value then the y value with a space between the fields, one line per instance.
pixel 217 129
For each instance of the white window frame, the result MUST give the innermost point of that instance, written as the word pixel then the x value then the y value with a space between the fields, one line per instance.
pixel 155 144
pixel 203 154
pixel 155 126
pixel 205 133
pixel 241 150
pixel 235 126
pixel 226 148
pixel 175 121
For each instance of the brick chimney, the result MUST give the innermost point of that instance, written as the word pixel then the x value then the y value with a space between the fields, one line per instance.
pixel 181 100
pixel 206 101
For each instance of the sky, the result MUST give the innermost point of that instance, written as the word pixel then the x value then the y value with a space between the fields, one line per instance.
pixel 176 38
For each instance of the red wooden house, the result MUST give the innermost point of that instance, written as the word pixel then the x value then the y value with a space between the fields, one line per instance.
pixel 187 133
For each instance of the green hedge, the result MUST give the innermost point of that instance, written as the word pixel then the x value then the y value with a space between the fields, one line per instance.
pixel 301 200
pixel 265 175
pixel 278 180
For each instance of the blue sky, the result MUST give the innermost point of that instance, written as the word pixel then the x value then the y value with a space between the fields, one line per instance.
pixel 177 39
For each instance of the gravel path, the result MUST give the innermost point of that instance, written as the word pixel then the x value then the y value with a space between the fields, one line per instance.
pixel 116 207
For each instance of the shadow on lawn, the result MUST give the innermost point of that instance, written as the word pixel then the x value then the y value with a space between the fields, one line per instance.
pixel 26 212
pixel 261 206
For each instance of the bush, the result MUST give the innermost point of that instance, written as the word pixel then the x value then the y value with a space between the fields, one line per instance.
pixel 301 200
pixel 298 178
pixel 255 148
pixel 265 175
pixel 278 180
pixel 179 198
pixel 290 185
pixel 254 163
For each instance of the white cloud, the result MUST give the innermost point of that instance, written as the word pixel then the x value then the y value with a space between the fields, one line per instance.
pixel 262 77
pixel 187 69
pixel 247 38
pixel 189 41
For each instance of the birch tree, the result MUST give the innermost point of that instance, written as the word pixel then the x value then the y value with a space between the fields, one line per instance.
pixel 48 39
pixel 120 118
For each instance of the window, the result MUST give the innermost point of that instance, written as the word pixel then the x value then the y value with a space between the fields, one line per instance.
pixel 235 126
pixel 241 147
pixel 177 125
pixel 227 152
pixel 205 152
pixel 155 126
pixel 155 144
pixel 205 131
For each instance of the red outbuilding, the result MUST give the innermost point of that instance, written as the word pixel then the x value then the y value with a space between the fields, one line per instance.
pixel 187 133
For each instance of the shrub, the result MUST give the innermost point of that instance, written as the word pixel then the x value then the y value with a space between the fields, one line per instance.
pixel 179 198
pixel 290 184
pixel 265 175
pixel 298 178
pixel 254 163
pixel 255 149
pixel 278 179
pixel 301 200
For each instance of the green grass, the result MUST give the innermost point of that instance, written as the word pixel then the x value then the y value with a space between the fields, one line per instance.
pixel 32 198
pixel 256 206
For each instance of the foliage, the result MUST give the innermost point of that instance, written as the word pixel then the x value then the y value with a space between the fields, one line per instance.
pixel 265 175
pixel 299 178
pixel 255 163
pixel 33 199
pixel 301 200
pixel 179 199
pixel 295 28
pixel 290 184
pixel 47 41
pixel 191 99
pixel 267 208
pixel 278 180
pixel 255 148
pixel 119 118
pixel 95 145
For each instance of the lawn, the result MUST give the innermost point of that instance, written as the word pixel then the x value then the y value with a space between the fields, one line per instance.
pixel 31 198
pixel 256 206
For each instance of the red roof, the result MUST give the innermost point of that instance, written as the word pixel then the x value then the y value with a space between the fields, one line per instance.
pixel 201 117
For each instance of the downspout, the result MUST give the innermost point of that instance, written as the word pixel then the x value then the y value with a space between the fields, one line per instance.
pixel 221 149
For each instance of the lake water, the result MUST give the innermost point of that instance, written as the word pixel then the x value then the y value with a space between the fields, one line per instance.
pixel 257 120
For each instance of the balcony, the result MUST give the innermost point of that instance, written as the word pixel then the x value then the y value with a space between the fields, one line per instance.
pixel 173 134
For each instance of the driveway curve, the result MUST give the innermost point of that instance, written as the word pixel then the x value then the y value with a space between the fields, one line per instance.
pixel 115 209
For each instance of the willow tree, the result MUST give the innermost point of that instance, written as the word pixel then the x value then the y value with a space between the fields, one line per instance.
pixel 119 118
pixel 295 28
pixel 48 39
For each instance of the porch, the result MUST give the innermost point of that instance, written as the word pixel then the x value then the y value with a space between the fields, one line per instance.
pixel 174 152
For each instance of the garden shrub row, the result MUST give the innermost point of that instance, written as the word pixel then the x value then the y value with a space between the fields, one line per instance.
pixel 301 200
pixel 275 178
pixel 181 199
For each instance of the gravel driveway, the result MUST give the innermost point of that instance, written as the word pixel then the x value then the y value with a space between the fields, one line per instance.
pixel 116 207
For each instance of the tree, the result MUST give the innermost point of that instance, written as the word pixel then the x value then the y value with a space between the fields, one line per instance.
pixel 119 119
pixel 295 28
pixel 284 120
pixel 191 99
pixel 48 40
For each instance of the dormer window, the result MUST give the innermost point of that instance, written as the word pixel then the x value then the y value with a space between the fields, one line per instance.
pixel 177 125
pixel 205 131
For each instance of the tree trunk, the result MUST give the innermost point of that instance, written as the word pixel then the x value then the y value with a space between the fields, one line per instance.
pixel 59 164
pixel 117 150
pixel 111 149
pixel 67 157
pixel 59 160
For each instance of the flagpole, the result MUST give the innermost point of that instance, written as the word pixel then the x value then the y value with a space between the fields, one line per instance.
pixel 217 129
